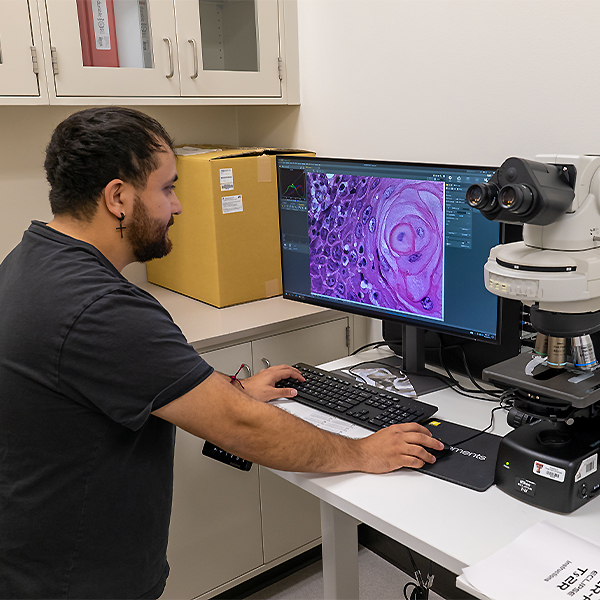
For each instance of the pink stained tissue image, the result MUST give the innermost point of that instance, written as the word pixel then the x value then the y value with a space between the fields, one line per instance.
pixel 377 241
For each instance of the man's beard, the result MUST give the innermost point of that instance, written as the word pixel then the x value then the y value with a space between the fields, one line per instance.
pixel 148 237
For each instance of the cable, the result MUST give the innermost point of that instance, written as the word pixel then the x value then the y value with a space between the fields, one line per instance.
pixel 420 589
pixel 388 366
pixel 417 593
pixel 483 430
pixel 450 380
pixel 495 395
pixel 493 392
pixel 505 402
pixel 375 345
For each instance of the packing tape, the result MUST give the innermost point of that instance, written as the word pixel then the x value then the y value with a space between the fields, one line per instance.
pixel 263 166
pixel 272 288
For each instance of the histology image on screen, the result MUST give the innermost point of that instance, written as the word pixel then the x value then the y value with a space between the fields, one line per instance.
pixel 377 241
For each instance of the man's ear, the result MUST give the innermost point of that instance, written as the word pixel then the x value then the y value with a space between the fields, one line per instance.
pixel 118 197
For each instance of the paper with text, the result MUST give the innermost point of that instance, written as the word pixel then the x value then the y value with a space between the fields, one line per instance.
pixel 322 420
pixel 544 562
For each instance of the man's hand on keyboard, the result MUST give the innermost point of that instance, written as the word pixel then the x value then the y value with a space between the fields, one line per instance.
pixel 399 446
pixel 262 385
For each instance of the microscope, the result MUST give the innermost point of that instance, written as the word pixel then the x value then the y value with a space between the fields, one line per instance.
pixel 550 459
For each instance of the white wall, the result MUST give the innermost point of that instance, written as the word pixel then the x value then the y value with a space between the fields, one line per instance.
pixel 458 81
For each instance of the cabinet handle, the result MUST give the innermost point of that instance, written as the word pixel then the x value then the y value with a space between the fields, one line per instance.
pixel 195 53
pixel 267 363
pixel 247 368
pixel 170 46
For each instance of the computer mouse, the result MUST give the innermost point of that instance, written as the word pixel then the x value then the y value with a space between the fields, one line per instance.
pixel 445 451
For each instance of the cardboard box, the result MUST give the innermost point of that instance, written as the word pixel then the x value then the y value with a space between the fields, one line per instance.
pixel 226 247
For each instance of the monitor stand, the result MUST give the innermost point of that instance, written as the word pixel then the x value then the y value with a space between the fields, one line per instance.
pixel 412 362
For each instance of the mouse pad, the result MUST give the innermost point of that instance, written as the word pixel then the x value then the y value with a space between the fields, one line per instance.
pixel 470 463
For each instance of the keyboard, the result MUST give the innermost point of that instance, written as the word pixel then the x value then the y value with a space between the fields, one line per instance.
pixel 358 403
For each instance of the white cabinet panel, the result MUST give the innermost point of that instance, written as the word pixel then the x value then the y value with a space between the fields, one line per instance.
pixel 232 47
pixel 215 531
pixel 18 23
pixel 313 345
pixel 291 516
pixel 229 360
pixel 68 46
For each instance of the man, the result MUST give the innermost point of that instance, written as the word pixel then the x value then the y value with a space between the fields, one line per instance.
pixel 94 375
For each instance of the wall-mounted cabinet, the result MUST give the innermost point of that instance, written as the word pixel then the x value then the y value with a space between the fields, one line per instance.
pixel 157 51
pixel 22 80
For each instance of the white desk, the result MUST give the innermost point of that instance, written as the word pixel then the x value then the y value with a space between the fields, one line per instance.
pixel 452 525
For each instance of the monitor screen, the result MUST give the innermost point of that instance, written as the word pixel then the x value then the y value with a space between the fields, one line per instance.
pixel 390 240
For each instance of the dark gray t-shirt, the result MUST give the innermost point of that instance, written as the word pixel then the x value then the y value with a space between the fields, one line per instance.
pixel 86 472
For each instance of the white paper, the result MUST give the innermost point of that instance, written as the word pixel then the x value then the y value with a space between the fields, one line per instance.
pixel 232 204
pixel 226 179
pixel 321 420
pixel 101 27
pixel 545 562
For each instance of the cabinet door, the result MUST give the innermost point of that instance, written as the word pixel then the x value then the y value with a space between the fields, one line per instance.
pixel 230 360
pixel 313 345
pixel 113 47
pixel 229 47
pixel 17 76
pixel 291 516
pixel 215 533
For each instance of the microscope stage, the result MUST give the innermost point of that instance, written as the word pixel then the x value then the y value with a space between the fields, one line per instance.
pixel 581 389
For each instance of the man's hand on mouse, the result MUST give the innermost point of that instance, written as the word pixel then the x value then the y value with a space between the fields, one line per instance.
pixel 397 446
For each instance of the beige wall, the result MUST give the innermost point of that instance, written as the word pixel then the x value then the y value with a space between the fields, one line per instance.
pixel 25 131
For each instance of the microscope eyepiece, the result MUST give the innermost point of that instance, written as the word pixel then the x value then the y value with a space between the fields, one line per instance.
pixel 517 198
pixel 482 196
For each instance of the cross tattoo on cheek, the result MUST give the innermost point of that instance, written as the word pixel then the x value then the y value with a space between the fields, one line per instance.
pixel 120 227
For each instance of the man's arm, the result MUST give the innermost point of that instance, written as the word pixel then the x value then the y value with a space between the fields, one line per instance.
pixel 226 416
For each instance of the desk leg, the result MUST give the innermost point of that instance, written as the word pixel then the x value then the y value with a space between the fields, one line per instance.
pixel 340 554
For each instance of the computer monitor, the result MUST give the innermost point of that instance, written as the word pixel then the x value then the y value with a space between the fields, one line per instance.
pixel 389 240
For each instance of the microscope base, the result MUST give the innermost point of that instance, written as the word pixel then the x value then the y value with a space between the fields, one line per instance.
pixel 551 465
